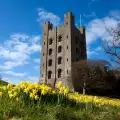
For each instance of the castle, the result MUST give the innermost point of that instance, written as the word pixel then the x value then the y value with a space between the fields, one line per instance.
pixel 62 48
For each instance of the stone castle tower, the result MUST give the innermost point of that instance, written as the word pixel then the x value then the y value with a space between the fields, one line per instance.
pixel 62 47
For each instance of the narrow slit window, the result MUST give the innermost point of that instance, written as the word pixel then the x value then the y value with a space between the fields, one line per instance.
pixel 59 38
pixel 59 60
pixel 50 41
pixel 59 49
pixel 49 74
pixel 50 62
pixel 59 73
pixel 50 51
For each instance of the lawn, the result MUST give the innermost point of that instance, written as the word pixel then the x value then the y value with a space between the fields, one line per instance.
pixel 41 102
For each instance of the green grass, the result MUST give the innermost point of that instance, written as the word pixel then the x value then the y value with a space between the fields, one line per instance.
pixel 47 110
pixel 3 83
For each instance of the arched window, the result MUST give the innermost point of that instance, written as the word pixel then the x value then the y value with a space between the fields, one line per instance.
pixel 59 38
pixel 50 62
pixel 59 73
pixel 49 74
pixel 50 41
pixel 59 60
pixel 59 49
pixel 50 51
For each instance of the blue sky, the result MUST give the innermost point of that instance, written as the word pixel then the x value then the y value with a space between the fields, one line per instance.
pixel 21 29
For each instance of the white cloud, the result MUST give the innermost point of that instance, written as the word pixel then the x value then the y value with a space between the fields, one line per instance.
pixel 37 60
pixel 96 29
pixel 16 51
pixel 37 67
pixel 91 52
pixel 11 64
pixel 115 14
pixel 33 79
pixel 14 74
pixel 99 48
pixel 44 16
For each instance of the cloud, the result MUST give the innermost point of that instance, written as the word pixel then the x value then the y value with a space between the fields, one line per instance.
pixel 99 48
pixel 14 73
pixel 96 29
pixel 91 52
pixel 37 60
pixel 44 16
pixel 94 52
pixel 12 64
pixel 17 50
pixel 37 67
pixel 33 79
pixel 115 14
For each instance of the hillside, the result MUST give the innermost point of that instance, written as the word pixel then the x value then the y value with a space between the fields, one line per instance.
pixel 3 82
pixel 41 102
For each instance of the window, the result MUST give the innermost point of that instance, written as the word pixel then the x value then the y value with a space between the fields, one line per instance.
pixel 49 74
pixel 59 73
pixel 44 43
pixel 67 47
pixel 50 51
pixel 67 71
pixel 43 54
pixel 76 50
pixel 67 59
pixel 43 64
pixel 44 34
pixel 50 62
pixel 67 36
pixel 42 75
pixel 59 60
pixel 50 41
pixel 76 39
pixel 59 49
pixel 59 38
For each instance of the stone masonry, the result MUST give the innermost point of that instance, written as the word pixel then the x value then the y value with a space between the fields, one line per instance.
pixel 62 47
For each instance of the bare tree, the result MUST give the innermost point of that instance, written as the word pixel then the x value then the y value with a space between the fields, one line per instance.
pixel 112 45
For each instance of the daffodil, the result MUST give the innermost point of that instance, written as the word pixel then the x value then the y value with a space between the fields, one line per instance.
pixel 59 84
pixel 34 91
pixel 9 86
pixel 43 92
pixel 32 95
pixel 17 99
pixel 26 90
pixel 1 94
pixel 53 92
pixel 66 91
pixel 36 97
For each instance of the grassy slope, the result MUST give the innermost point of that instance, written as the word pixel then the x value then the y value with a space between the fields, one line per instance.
pixel 50 111
pixel 46 109
pixel 3 83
